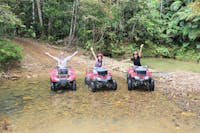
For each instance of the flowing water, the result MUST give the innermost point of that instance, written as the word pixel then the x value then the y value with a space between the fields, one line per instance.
pixel 31 107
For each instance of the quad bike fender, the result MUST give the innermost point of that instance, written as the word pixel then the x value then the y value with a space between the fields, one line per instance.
pixel 72 78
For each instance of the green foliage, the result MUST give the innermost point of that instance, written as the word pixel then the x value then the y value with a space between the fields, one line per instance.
pixel 8 20
pixel 184 25
pixel 10 54
pixel 176 5
pixel 132 48
pixel 187 55
pixel 57 18
pixel 110 25
pixel 88 45
pixel 27 32
pixel 117 50
pixel 162 51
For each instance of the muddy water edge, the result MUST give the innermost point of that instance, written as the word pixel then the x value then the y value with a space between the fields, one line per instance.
pixel 30 106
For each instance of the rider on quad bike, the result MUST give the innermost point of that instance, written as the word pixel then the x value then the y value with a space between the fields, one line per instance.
pixel 139 75
pixel 98 58
pixel 136 57
pixel 62 76
pixel 99 77
pixel 61 60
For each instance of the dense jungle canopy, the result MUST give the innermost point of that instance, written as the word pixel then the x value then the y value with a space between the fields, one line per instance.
pixel 168 28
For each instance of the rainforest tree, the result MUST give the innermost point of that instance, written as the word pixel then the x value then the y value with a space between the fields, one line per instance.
pixel 169 28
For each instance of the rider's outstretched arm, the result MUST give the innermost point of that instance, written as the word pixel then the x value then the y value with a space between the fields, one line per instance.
pixel 126 60
pixel 73 55
pixel 140 52
pixel 93 53
pixel 53 57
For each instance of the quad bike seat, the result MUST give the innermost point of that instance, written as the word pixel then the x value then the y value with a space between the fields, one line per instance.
pixel 100 71
pixel 140 70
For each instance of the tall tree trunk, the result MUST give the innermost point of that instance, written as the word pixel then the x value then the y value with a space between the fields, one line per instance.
pixel 49 27
pixel 75 17
pixel 73 23
pixel 40 16
pixel 93 32
pixel 71 26
pixel 33 11
pixel 161 6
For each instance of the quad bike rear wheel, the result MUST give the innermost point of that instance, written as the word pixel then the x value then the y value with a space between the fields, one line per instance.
pixel 93 86
pixel 74 85
pixel 114 85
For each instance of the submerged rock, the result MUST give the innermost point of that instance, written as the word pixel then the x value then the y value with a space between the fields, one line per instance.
pixel 188 113
pixel 10 76
pixel 6 125
pixel 26 98
pixel 34 75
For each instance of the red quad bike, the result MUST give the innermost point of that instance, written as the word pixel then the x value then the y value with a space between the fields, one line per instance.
pixel 140 76
pixel 62 78
pixel 99 78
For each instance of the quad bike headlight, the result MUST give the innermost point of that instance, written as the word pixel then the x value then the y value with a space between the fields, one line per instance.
pixel 109 78
pixel 98 78
pixel 146 77
pixel 137 78
pixel 57 79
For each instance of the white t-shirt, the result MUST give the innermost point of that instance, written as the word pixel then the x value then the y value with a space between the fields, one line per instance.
pixel 62 63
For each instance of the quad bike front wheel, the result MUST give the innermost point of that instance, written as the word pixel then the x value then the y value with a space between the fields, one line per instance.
pixel 129 82
pixel 87 80
pixel 93 87
pixel 114 85
pixel 52 86
pixel 128 77
pixel 151 85
pixel 134 84
pixel 74 85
